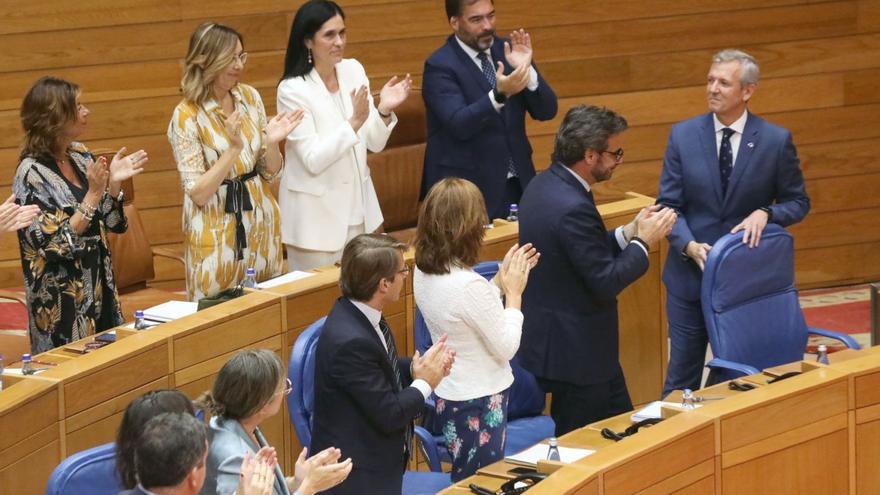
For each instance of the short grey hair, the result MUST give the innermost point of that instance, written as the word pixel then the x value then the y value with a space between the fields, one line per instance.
pixel 750 71
pixel 585 127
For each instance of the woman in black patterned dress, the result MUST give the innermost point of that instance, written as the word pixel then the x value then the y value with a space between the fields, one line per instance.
pixel 67 269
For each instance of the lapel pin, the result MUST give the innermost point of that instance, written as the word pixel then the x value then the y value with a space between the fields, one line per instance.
pixel 750 144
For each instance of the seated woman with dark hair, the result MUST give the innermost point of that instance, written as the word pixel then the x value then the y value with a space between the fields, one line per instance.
pixel 248 390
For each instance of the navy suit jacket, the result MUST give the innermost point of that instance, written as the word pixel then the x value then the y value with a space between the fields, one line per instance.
pixel 356 407
pixel 467 137
pixel 570 303
pixel 766 173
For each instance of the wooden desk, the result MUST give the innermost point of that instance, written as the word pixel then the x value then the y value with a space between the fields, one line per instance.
pixel 91 391
pixel 818 432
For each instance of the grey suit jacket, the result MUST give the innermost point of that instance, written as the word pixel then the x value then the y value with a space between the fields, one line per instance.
pixel 228 444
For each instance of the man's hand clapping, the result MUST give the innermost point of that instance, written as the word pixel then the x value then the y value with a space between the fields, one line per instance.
pixel 653 226
pixel 435 364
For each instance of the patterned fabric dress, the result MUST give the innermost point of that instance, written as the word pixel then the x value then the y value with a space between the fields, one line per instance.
pixel 475 431
pixel 68 276
pixel 198 138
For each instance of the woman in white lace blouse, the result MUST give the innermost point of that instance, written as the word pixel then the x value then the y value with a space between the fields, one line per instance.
pixel 485 333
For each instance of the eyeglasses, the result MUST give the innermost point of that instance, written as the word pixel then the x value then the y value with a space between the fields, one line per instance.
pixel 618 155
pixel 405 271
pixel 288 387
pixel 241 57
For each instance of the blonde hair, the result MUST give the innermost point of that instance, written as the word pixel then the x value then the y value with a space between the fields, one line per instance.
pixel 211 50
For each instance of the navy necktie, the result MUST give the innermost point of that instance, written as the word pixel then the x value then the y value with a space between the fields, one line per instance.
pixel 488 70
pixel 725 158
pixel 489 73
pixel 391 348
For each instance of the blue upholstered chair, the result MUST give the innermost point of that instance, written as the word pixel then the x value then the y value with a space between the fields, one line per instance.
pixel 301 406
pixel 526 422
pixel 91 471
pixel 751 306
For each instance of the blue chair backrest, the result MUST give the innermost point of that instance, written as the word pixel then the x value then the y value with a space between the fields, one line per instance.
pixel 750 305
pixel 301 371
pixel 91 471
pixel 526 397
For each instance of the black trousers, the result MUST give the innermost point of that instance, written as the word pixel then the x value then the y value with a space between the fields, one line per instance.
pixel 575 406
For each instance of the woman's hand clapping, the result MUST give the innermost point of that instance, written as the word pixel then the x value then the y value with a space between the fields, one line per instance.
pixel 394 93
pixel 257 473
pixel 125 167
pixel 14 217
pixel 281 125
pixel 97 173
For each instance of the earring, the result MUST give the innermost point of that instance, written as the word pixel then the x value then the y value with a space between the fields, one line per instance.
pixel 310 56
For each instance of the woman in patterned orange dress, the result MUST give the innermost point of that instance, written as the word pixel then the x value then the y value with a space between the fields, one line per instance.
pixel 227 153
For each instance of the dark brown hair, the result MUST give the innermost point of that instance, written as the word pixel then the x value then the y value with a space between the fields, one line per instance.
pixel 48 107
pixel 451 226
pixel 366 260
pixel 246 383
pixel 136 416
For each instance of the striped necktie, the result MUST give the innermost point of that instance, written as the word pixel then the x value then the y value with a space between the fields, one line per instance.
pixel 391 348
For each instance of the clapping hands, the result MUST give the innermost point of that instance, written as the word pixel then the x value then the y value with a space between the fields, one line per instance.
pixel 14 217
pixel 281 125
pixel 393 93
pixel 123 168
pixel 518 51
pixel 320 472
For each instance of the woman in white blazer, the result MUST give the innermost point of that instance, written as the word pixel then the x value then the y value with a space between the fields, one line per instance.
pixel 326 195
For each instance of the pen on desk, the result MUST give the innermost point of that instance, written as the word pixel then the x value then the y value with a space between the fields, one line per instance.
pixel 44 363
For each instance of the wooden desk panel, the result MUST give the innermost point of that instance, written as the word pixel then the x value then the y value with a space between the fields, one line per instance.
pixel 100 423
pixel 30 474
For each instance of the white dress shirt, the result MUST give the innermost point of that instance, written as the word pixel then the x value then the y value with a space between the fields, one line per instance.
pixel 374 315
pixel 474 56
pixel 484 335
pixel 618 232
pixel 738 126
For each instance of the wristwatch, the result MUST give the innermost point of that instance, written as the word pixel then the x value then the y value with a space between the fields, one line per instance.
pixel 768 211
pixel 500 98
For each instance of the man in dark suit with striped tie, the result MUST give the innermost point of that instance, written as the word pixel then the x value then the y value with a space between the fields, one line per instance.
pixel 365 396
pixel 477 90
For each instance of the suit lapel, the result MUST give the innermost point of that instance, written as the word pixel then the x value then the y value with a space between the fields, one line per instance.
pixel 469 65
pixel 747 146
pixel 710 155
pixel 560 171
pixel 365 326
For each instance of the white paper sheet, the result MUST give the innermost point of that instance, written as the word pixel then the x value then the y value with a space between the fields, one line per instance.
pixel 533 454
pixel 653 410
pixel 171 310
pixel 283 279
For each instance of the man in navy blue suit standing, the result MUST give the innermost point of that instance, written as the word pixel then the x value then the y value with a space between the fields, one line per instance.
pixel 570 334
pixel 477 89
pixel 724 171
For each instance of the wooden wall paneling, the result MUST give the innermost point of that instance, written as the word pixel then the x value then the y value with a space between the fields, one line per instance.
pixel 837 228
pixel 853 263
pixel 24 16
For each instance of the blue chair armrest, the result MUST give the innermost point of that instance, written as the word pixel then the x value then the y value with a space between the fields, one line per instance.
pixel 429 447
pixel 730 365
pixel 842 337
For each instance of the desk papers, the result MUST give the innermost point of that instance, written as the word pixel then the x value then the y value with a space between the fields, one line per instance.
pixel 283 279
pixel 533 454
